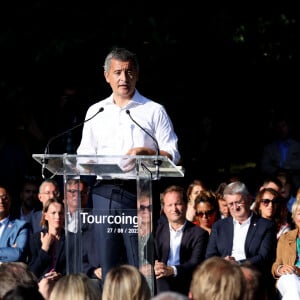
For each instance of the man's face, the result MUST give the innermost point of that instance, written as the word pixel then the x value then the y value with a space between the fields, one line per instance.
pixel 122 78
pixel 47 191
pixel 5 202
pixel 73 191
pixel 174 207
pixel 144 210
pixel 239 208
pixel 28 195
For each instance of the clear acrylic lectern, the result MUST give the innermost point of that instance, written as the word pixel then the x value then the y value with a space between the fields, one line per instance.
pixel 143 169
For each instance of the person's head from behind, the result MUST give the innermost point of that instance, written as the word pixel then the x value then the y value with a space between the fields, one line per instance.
pixel 255 284
pixel 23 292
pixel 13 274
pixel 217 279
pixel 125 282
pixel 75 286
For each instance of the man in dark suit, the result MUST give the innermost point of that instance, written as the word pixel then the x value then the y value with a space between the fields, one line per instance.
pixel 180 244
pixel 243 236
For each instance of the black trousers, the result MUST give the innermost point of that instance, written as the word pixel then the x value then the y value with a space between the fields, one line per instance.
pixel 116 231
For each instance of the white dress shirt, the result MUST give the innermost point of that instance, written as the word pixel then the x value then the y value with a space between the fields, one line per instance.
pixel 112 132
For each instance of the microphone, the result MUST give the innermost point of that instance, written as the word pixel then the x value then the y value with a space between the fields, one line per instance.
pixel 46 151
pixel 156 162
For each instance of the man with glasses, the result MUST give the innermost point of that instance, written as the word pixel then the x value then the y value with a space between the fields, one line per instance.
pixel 243 236
pixel 48 189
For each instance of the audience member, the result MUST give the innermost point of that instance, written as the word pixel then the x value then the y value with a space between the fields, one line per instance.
pixel 48 189
pixel 146 241
pixel 255 286
pixel 169 296
pixel 269 205
pixel 76 287
pixel 286 267
pixel 283 152
pixel 80 234
pixel 28 201
pixel 192 191
pixel 14 233
pixel 180 244
pixel 47 247
pixel 125 282
pixel 215 279
pixel 288 190
pixel 76 189
pixel 243 236
pixel 207 210
pixel 224 210
pixel 269 182
pixel 13 274
pixel 21 292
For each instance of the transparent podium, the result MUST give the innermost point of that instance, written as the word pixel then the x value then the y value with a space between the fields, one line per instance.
pixel 143 169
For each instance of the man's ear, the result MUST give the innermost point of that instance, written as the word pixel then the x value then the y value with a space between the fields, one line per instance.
pixel 106 76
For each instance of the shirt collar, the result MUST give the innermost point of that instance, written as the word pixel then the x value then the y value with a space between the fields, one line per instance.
pixel 244 222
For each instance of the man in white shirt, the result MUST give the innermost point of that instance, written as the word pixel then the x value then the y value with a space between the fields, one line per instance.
pixel 127 124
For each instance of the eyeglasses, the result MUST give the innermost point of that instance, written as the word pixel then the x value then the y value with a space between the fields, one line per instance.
pixel 4 197
pixel 144 207
pixel 56 194
pixel 206 213
pixel 238 203
pixel 76 192
pixel 266 202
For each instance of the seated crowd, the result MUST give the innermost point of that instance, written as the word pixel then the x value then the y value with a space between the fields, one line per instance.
pixel 208 244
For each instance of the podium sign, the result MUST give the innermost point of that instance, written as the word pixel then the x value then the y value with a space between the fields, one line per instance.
pixel 143 169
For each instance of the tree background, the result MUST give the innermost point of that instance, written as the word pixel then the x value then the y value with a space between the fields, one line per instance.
pixel 224 66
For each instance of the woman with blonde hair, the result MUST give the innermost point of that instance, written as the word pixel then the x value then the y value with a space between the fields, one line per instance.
pixel 125 282
pixel 75 287
pixel 217 278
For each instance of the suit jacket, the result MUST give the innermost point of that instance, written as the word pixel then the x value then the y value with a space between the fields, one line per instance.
pixel 14 241
pixel 286 250
pixel 192 253
pixel 260 244
pixel 40 261
pixel 35 221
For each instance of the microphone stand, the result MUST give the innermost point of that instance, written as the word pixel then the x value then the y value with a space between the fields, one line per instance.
pixel 46 151
pixel 157 162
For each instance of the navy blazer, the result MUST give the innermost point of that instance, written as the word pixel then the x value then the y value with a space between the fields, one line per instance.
pixel 40 260
pixel 260 244
pixel 14 241
pixel 192 253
